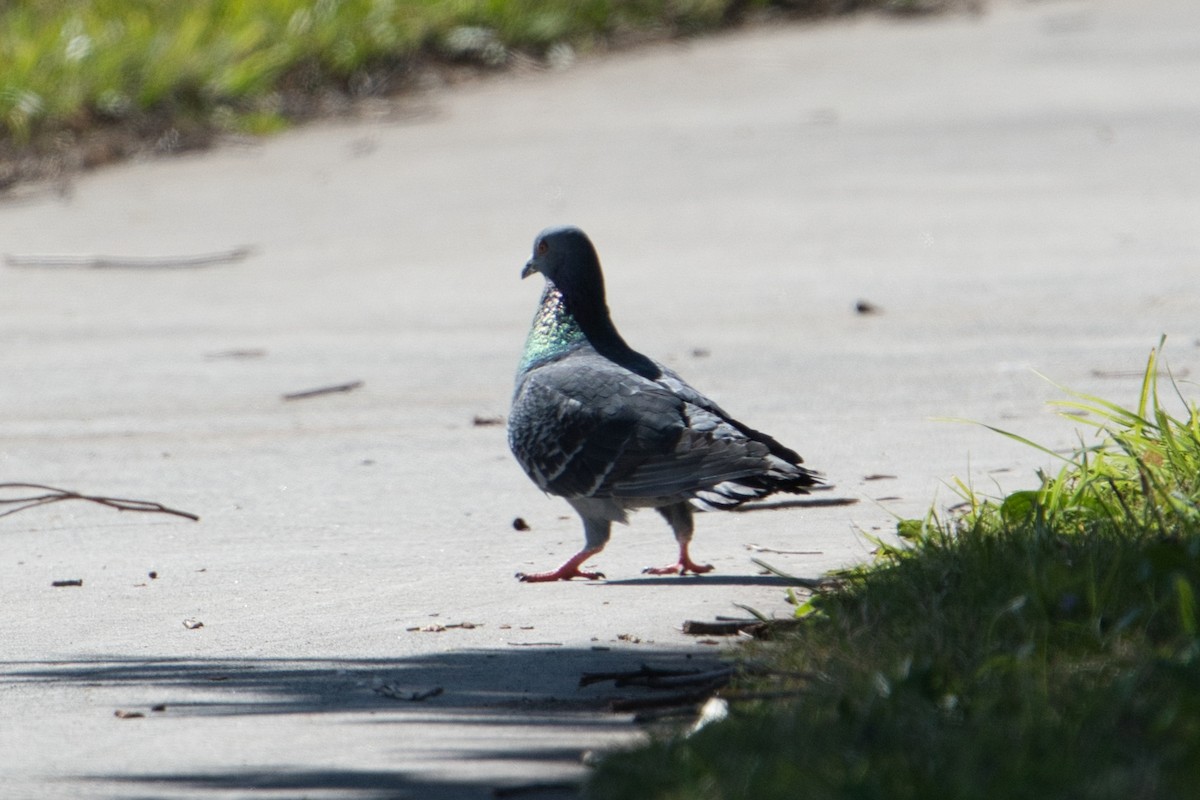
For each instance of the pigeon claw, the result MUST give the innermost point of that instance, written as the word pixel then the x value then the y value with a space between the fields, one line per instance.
pixel 566 572
pixel 559 574
pixel 683 567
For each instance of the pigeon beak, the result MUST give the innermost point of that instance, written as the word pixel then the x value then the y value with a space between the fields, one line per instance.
pixel 530 268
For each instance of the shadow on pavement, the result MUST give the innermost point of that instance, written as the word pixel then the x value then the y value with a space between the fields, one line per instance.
pixel 488 697
pixel 709 579
pixel 332 783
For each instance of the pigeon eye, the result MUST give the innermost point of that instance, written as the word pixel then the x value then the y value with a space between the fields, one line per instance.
pixel 542 247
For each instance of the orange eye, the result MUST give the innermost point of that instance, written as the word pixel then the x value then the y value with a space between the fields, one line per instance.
pixel 542 247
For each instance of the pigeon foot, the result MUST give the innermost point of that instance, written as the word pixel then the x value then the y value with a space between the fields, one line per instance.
pixel 682 567
pixel 566 572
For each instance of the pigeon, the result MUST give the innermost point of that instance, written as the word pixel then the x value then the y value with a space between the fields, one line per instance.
pixel 610 430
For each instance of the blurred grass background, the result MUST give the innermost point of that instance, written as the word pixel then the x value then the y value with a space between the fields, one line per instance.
pixel 173 74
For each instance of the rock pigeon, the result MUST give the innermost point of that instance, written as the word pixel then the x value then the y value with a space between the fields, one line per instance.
pixel 609 430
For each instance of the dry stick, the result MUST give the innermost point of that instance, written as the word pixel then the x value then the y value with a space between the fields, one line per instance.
pixel 307 393
pixel 53 495
pixel 626 677
pixel 663 679
pixel 695 627
pixel 757 548
pixel 128 262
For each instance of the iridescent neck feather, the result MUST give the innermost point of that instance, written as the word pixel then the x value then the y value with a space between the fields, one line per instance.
pixel 554 331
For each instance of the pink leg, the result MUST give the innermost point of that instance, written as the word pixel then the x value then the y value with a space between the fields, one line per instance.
pixel 681 567
pixel 567 571
pixel 679 516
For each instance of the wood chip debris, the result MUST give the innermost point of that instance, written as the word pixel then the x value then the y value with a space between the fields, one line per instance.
pixel 119 714
pixel 192 624
pixel 480 421
pixel 437 627
pixel 71 582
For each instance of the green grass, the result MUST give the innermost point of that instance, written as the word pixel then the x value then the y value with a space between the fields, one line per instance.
pixel 175 73
pixel 1043 644
pixel 68 64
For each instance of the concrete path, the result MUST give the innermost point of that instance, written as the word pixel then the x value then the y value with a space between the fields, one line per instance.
pixel 1014 192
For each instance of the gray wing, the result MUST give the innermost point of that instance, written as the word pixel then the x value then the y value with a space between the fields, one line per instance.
pixel 586 427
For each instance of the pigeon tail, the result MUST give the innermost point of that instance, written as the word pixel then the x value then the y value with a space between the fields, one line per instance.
pixel 784 477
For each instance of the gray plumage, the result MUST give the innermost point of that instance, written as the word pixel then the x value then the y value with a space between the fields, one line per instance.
pixel 610 430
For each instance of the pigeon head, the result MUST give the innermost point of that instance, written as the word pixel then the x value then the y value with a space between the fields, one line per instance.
pixel 566 258
pixel 574 300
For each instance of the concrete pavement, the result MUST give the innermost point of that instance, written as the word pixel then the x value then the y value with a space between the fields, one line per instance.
pixel 1015 192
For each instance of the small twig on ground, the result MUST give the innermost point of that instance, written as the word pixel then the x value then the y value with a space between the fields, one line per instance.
pixel 52 495
pixel 339 387
pixel 758 548
pixel 244 352
pixel 694 627
pixel 759 628
pixel 128 262
pixel 640 676
pixel 662 678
